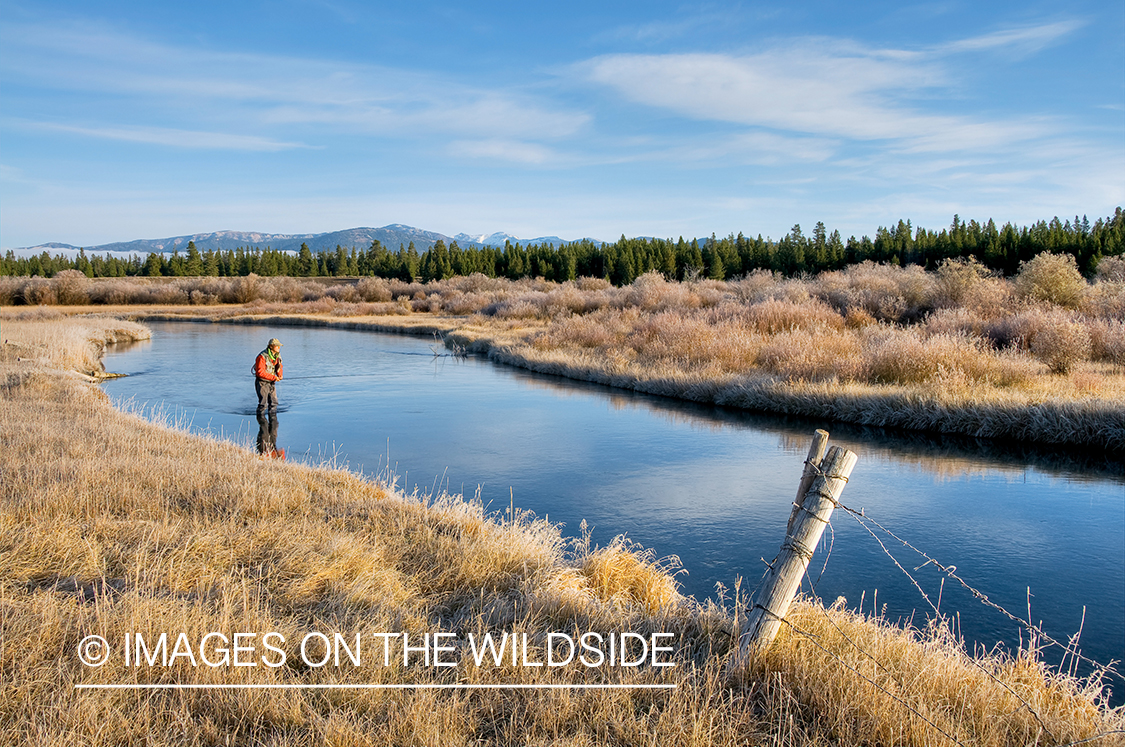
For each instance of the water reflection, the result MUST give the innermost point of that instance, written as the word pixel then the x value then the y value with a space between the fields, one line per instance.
pixel 943 455
pixel 267 435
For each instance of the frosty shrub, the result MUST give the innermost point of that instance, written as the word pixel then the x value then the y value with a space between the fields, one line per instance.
pixel 1107 340
pixel 773 316
pixel 39 291
pixel 11 289
pixel 1053 278
pixel 1061 344
pixel 958 278
pixel 246 289
pixel 70 287
pixel 652 292
pixel 1112 269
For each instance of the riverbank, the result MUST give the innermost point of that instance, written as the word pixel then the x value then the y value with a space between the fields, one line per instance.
pixel 957 351
pixel 114 525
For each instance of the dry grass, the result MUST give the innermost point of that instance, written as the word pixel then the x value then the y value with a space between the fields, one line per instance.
pixel 37 338
pixel 1040 357
pixel 111 524
pixel 889 659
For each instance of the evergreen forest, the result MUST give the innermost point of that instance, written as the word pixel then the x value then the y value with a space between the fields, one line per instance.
pixel 999 248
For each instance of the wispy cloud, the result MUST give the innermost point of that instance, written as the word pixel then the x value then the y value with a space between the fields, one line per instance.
pixel 658 31
pixel 747 148
pixel 805 91
pixel 1023 40
pixel 503 150
pixel 825 87
pixel 274 90
pixel 706 17
pixel 175 138
pixel 11 174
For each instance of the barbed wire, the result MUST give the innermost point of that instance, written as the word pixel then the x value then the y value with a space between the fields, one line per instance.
pixel 951 571
pixel 972 659
pixel 812 637
pixel 1091 739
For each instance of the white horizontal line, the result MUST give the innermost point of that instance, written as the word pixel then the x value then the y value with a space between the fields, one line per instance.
pixel 347 686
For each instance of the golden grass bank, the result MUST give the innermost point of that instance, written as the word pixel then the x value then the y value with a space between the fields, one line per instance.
pixel 113 526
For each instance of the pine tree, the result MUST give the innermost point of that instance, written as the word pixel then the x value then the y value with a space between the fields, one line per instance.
pixel 306 265
pixel 193 265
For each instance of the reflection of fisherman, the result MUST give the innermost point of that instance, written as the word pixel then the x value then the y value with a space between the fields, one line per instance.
pixel 267 436
pixel 267 372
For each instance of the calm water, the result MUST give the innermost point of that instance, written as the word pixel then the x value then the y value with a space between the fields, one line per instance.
pixel 710 485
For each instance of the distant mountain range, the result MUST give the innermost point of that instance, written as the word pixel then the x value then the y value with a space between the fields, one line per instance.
pixel 391 236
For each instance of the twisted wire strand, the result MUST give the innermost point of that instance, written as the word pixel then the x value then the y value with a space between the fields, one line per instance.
pixel 971 659
pixel 950 571
pixel 813 639
pixel 1096 736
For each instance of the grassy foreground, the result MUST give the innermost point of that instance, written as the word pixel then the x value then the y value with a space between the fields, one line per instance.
pixel 112 525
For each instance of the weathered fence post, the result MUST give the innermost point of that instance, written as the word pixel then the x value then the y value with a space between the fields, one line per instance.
pixel 812 465
pixel 823 480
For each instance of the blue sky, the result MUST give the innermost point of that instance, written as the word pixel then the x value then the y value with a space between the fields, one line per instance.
pixel 127 120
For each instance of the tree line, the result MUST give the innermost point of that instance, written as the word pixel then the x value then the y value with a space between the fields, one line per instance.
pixel 621 262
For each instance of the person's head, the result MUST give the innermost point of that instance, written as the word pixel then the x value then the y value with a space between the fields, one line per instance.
pixel 274 345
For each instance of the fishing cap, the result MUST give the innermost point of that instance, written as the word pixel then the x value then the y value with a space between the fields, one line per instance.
pixel 273 341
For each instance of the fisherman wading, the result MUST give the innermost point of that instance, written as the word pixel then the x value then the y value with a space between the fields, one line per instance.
pixel 267 372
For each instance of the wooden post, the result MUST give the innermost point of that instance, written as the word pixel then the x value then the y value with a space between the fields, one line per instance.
pixel 809 519
pixel 812 466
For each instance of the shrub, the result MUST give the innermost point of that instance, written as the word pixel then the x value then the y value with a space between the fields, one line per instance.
pixel 1065 341
pixel 1106 299
pixel 521 308
pixel 478 282
pixel 858 318
pixel 118 292
pixel 954 321
pixel 1061 344
pixel 344 293
pixel 246 289
pixel 1052 335
pixel 808 355
pixel 1053 278
pixel 1107 340
pixel 593 284
pixel 652 292
pixel 596 330
pixel 284 289
pixel 374 290
pixel 465 303
pixel 39 292
pixel 1111 269
pixel 70 288
pixel 11 290
pixel 695 342
pixel 887 292
pixel 708 292
pixel 773 316
pixel 756 286
pixel 957 279
pixel 169 294
pixel 991 297
pixel 902 356
pixel 564 300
